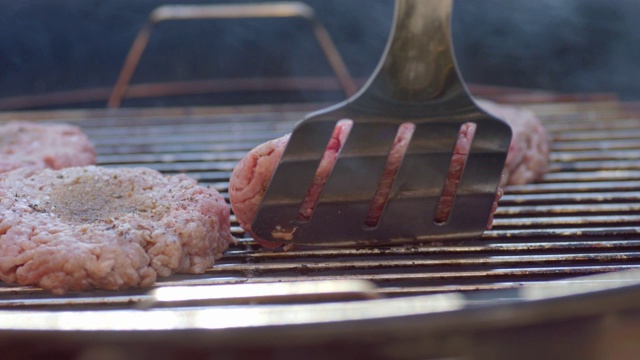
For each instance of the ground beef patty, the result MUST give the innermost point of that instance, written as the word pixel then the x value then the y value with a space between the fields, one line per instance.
pixel 90 227
pixel 528 155
pixel 55 146
pixel 527 161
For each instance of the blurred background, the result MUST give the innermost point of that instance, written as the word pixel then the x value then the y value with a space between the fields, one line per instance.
pixel 48 47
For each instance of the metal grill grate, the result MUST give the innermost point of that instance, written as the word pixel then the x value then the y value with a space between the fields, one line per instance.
pixel 582 219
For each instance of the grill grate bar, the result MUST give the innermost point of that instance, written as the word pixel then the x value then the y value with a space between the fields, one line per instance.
pixel 597 135
pixel 577 166
pixel 559 127
pixel 453 281
pixel 189 138
pixel 548 221
pixel 581 232
pixel 601 145
pixel 112 151
pixel 417 264
pixel 570 156
pixel 568 209
pixel 487 247
pixel 570 187
pixel 140 159
pixel 564 198
pixel 590 176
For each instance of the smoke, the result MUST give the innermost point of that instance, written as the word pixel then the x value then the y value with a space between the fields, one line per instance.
pixel 569 45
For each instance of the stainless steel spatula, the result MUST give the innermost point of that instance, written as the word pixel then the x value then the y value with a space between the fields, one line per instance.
pixel 416 84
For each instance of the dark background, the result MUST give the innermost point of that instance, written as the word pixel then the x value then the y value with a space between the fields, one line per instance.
pixel 568 46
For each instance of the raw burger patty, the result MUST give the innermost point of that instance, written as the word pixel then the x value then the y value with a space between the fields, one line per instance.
pixel 55 146
pixel 528 155
pixel 527 161
pixel 89 227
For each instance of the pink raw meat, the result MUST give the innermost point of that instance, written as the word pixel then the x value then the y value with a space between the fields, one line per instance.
pixel 88 227
pixel 55 146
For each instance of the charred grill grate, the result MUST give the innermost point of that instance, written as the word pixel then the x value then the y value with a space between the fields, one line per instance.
pixel 582 219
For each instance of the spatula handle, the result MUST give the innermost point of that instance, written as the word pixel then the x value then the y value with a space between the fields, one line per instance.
pixel 418 65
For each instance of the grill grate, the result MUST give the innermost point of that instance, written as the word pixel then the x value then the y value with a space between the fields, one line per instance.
pixel 582 219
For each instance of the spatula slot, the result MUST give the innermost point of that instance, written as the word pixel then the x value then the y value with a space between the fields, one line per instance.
pixel 328 162
pixel 396 155
pixel 454 174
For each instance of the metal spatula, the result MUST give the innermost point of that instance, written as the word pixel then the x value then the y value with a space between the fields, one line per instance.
pixel 416 82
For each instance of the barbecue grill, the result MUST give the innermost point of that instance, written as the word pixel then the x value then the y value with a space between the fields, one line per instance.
pixel 519 285
pixel 558 276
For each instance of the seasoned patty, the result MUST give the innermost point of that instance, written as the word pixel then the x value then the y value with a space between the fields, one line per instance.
pixel 89 227
pixel 527 161
pixel 54 146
